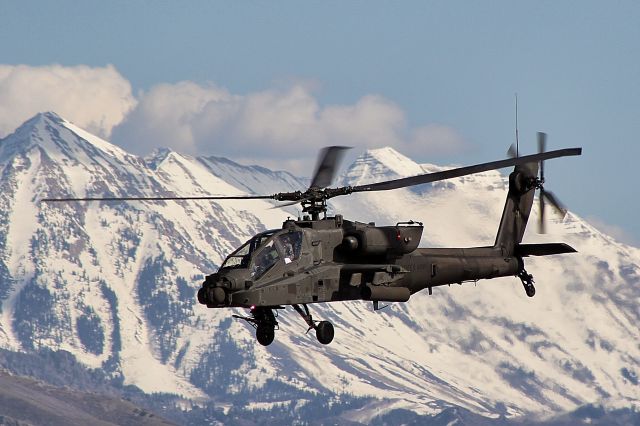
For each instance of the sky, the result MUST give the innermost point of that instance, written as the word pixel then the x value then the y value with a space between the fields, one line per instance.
pixel 272 82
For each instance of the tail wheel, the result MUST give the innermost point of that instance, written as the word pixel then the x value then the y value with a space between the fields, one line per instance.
pixel 530 290
pixel 324 332
pixel 527 282
pixel 265 334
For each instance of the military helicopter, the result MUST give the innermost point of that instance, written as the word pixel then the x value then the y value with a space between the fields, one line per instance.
pixel 320 258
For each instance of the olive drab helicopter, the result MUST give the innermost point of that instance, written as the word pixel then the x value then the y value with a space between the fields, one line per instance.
pixel 320 258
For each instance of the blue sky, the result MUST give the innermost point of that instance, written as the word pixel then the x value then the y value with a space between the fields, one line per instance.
pixel 437 78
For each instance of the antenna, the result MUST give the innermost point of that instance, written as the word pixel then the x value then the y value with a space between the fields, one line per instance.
pixel 517 141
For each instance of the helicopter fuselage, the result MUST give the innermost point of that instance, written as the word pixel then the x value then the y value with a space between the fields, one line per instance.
pixel 328 260
pixel 333 259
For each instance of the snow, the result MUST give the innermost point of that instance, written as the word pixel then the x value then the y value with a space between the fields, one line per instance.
pixel 22 224
pixel 472 346
pixel 108 148
pixel 140 366
pixel 395 162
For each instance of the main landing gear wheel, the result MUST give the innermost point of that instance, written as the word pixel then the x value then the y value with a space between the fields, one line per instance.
pixel 265 334
pixel 324 332
pixel 264 321
pixel 324 329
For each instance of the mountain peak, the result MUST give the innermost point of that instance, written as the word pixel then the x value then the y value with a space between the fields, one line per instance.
pixel 380 164
pixel 384 151
pixel 156 158
pixel 50 115
pixel 45 116
pixel 394 161
pixel 35 122
pixel 50 131
pixel 114 284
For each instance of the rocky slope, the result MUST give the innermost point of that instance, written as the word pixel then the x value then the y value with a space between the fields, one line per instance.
pixel 25 401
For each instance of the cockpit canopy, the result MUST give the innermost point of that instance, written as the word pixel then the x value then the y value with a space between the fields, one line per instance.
pixel 263 251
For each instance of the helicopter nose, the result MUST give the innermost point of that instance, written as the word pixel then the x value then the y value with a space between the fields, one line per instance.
pixel 214 291
pixel 216 296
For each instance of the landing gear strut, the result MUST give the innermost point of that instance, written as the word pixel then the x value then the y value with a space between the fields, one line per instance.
pixel 324 329
pixel 527 282
pixel 264 321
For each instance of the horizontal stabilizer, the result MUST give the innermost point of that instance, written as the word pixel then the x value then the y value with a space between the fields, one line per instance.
pixel 546 249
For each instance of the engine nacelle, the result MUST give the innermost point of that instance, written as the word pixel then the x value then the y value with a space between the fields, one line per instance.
pixel 382 240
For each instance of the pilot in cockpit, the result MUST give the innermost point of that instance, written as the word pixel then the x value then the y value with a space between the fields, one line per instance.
pixel 265 259
pixel 291 245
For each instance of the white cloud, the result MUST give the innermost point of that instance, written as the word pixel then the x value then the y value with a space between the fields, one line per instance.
pixel 280 124
pixel 171 115
pixel 95 98
pixel 283 126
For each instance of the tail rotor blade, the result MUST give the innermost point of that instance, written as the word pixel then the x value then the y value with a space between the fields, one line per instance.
pixel 542 142
pixel 541 219
pixel 544 194
pixel 560 208
pixel 547 196
pixel 512 152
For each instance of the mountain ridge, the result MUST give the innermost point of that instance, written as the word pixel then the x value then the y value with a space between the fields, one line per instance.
pixel 114 285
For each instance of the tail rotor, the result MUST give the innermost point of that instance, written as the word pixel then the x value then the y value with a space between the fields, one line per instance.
pixel 545 197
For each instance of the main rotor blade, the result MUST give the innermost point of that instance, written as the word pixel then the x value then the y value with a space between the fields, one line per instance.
pixel 328 162
pixel 463 171
pixel 204 197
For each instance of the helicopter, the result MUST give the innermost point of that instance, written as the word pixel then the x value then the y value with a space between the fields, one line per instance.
pixel 320 258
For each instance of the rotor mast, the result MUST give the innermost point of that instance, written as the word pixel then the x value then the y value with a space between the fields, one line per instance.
pixel 315 207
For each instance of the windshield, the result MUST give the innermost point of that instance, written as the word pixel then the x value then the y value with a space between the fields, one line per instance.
pixel 264 260
pixel 240 258
pixel 286 245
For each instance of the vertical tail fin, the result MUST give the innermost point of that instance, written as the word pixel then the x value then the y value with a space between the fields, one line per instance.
pixel 517 208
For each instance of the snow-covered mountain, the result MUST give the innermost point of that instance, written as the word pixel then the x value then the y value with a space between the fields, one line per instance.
pixel 114 285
